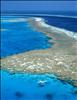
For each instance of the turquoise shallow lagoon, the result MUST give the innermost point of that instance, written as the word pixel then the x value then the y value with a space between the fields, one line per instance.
pixel 28 87
pixel 17 37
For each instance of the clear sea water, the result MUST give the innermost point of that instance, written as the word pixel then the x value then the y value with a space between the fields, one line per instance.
pixel 26 87
pixel 18 37
pixel 69 23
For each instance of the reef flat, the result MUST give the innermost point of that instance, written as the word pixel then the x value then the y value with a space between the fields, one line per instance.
pixel 60 59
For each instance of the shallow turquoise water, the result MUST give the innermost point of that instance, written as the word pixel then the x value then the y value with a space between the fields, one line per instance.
pixel 27 87
pixel 18 37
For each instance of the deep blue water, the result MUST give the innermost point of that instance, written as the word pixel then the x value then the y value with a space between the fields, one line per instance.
pixel 68 23
pixel 19 37
pixel 65 22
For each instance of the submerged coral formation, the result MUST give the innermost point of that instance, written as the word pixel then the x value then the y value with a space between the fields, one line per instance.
pixel 60 59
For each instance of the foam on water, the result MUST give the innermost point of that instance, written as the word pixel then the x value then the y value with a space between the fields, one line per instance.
pixel 56 29
pixel 21 19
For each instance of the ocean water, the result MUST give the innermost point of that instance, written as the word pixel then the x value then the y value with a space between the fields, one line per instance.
pixel 69 23
pixel 17 37
pixel 27 87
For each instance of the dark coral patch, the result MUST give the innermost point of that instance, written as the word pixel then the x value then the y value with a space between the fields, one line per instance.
pixel 48 96
pixel 18 94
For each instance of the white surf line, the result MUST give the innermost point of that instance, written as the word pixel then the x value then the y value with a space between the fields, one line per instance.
pixel 41 25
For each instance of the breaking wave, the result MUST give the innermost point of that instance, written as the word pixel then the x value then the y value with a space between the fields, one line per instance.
pixel 43 23
pixel 54 29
